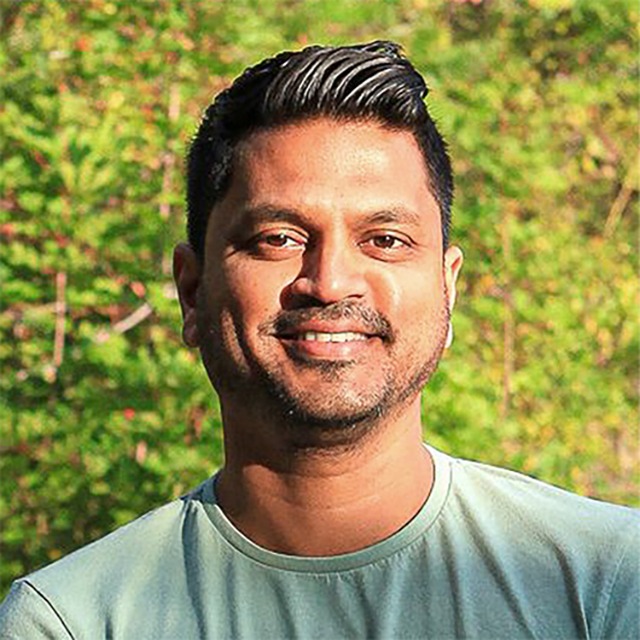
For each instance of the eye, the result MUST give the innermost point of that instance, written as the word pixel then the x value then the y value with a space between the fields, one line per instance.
pixel 387 241
pixel 388 246
pixel 276 245
pixel 280 240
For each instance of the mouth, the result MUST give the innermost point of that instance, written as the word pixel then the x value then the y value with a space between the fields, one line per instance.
pixel 326 345
pixel 326 336
pixel 344 332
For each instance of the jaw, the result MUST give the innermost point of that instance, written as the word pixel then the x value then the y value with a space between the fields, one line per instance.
pixel 283 392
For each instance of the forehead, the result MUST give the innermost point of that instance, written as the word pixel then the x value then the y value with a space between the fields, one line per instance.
pixel 323 165
pixel 362 150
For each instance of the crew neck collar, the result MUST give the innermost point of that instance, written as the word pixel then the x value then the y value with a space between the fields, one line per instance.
pixel 422 521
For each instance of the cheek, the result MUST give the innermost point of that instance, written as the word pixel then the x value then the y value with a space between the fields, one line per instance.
pixel 408 296
pixel 253 293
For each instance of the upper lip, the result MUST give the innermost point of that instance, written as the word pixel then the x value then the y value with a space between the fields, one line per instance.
pixel 323 327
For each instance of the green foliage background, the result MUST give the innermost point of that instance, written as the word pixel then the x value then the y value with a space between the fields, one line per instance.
pixel 538 99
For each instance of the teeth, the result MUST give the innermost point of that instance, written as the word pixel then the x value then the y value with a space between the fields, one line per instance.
pixel 345 336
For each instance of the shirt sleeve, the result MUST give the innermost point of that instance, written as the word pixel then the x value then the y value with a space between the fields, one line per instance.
pixel 27 615
pixel 622 619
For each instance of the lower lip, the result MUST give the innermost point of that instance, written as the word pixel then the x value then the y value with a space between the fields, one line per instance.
pixel 328 350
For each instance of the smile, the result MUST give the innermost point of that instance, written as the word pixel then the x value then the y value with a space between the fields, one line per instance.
pixel 322 336
pixel 327 345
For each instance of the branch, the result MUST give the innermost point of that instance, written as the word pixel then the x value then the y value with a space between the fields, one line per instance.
pixel 60 311
pixel 622 199
pixel 140 314
pixel 124 325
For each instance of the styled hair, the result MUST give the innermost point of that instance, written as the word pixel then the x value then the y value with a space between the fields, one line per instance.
pixel 372 81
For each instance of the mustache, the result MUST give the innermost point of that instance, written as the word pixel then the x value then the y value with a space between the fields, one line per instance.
pixel 365 318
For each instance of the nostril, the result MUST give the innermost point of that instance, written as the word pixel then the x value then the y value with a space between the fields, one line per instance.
pixel 300 294
pixel 306 302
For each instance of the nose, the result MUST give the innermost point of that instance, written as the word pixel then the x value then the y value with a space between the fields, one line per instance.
pixel 330 272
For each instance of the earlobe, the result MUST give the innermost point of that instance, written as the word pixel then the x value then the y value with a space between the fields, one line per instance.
pixel 186 273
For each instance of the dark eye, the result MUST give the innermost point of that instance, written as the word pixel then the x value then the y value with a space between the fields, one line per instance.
pixel 277 245
pixel 279 240
pixel 388 246
pixel 386 242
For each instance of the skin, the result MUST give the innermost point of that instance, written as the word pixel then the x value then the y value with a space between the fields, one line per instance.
pixel 327 228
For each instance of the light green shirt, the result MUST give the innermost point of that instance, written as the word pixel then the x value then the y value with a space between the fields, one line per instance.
pixel 492 554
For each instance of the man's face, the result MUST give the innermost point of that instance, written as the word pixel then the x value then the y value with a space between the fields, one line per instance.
pixel 324 287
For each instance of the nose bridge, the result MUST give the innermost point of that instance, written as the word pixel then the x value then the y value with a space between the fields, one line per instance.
pixel 331 268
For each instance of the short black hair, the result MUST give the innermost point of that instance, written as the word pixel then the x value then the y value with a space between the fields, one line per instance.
pixel 371 81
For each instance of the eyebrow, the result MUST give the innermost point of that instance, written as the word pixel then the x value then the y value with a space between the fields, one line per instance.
pixel 266 213
pixel 395 215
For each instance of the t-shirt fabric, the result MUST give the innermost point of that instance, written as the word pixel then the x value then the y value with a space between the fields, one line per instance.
pixel 492 554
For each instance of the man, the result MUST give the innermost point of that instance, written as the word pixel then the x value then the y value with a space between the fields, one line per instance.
pixel 317 284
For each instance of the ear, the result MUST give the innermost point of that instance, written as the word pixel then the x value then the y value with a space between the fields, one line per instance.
pixel 186 273
pixel 453 260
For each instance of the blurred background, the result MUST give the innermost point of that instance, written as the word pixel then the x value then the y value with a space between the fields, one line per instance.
pixel 104 415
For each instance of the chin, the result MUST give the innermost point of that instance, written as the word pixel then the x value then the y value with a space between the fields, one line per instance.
pixel 331 418
pixel 312 421
pixel 312 429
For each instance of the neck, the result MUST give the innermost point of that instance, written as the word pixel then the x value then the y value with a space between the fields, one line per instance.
pixel 319 503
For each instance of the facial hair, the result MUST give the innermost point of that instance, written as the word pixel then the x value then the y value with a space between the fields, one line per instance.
pixel 331 422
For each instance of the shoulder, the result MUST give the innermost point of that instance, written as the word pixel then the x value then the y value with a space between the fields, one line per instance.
pixel 588 548
pixel 96 582
pixel 538 504
pixel 132 543
pixel 26 613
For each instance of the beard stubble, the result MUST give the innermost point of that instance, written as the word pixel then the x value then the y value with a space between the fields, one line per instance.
pixel 330 422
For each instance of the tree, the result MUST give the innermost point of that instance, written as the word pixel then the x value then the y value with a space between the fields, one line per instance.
pixel 103 415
